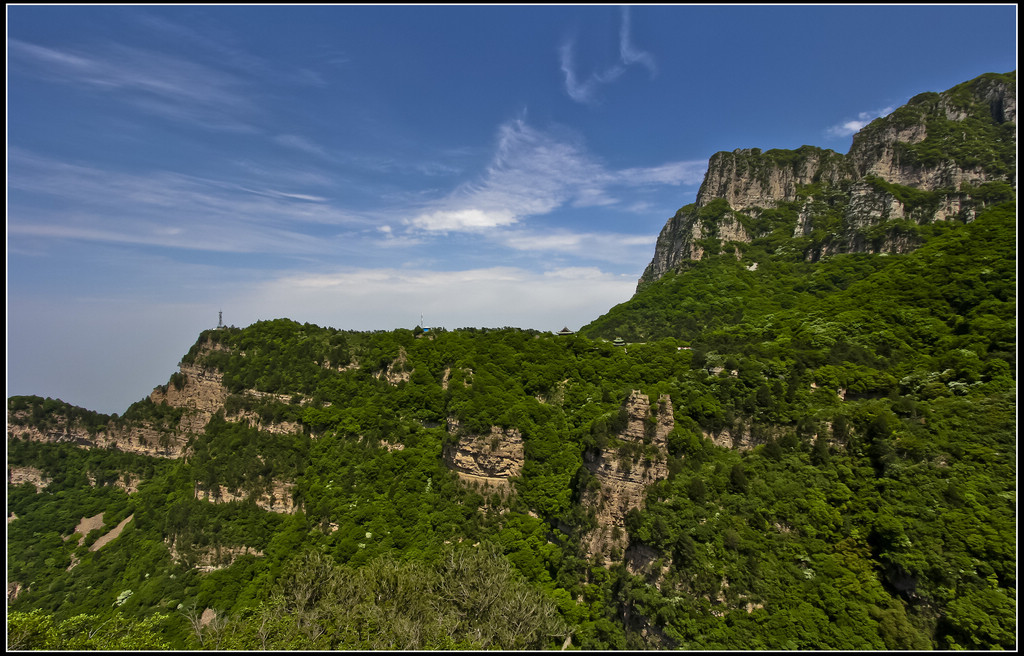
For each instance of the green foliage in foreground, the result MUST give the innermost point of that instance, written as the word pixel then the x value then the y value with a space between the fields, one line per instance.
pixel 468 598
pixel 872 507
pixel 39 630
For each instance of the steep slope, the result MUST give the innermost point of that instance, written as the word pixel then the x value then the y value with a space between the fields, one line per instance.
pixel 791 451
pixel 940 157
pixel 624 468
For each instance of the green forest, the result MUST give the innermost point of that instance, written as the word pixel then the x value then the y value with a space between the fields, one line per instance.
pixel 841 470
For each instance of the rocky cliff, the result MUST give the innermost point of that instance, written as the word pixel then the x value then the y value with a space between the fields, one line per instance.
pixel 488 461
pixel 197 392
pixel 938 158
pixel 624 468
pixel 278 498
pixel 18 475
pixel 142 437
pixel 171 416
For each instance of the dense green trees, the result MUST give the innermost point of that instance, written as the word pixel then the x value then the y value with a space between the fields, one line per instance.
pixel 467 597
pixel 870 503
pixel 38 630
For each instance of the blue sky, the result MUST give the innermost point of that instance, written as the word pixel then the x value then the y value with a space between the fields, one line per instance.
pixel 361 167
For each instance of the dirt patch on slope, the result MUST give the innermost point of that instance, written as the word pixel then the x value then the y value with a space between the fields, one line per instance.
pixel 88 524
pixel 114 532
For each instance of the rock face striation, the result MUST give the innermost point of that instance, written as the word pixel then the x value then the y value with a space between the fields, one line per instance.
pixel 208 558
pixel 18 475
pixel 144 438
pixel 489 460
pixel 940 144
pixel 624 468
pixel 198 392
pixel 277 499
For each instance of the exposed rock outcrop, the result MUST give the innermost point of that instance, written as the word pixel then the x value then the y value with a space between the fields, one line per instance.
pixel 254 420
pixel 138 437
pixel 202 390
pixel 748 178
pixel 491 459
pixel 945 144
pixel 14 589
pixel 198 391
pixel 126 481
pixel 19 475
pixel 625 468
pixel 210 557
pixel 398 371
pixel 278 499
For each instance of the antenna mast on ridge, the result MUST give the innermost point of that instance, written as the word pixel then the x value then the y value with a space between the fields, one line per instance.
pixel 220 318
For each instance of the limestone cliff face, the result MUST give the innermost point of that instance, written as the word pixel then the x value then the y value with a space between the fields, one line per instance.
pixel 490 460
pixel 197 390
pixel 749 178
pixel 203 390
pixel 200 391
pixel 398 371
pixel 19 475
pixel 208 558
pixel 622 476
pixel 278 499
pixel 946 144
pixel 881 147
pixel 141 437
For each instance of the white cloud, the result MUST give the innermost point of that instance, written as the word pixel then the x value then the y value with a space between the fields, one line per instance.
pixel 854 126
pixel 672 173
pixel 583 91
pixel 534 173
pixel 369 299
pixel 462 220
pixel 629 54
pixel 301 144
pixel 618 248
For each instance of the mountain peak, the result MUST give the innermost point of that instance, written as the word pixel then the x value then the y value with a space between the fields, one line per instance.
pixel 948 145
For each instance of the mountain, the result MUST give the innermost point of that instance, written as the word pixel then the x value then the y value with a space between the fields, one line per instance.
pixel 803 437
pixel 941 157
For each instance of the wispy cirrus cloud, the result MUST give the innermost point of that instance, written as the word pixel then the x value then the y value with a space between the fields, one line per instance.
pixel 565 241
pixel 628 53
pixel 301 144
pixel 533 173
pixel 583 90
pixel 172 87
pixel 863 118
pixel 56 199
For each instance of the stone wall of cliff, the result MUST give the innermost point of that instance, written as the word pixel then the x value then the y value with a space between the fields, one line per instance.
pixel 277 499
pixel 946 144
pixel 143 438
pixel 489 460
pixel 749 178
pixel 623 473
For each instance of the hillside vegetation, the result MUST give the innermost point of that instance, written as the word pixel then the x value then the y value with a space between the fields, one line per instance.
pixel 818 452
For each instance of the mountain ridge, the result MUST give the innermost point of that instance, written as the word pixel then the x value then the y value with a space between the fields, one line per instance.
pixel 914 146
pixel 806 440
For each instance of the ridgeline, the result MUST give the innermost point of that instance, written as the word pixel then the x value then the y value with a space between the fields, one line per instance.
pixel 800 433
